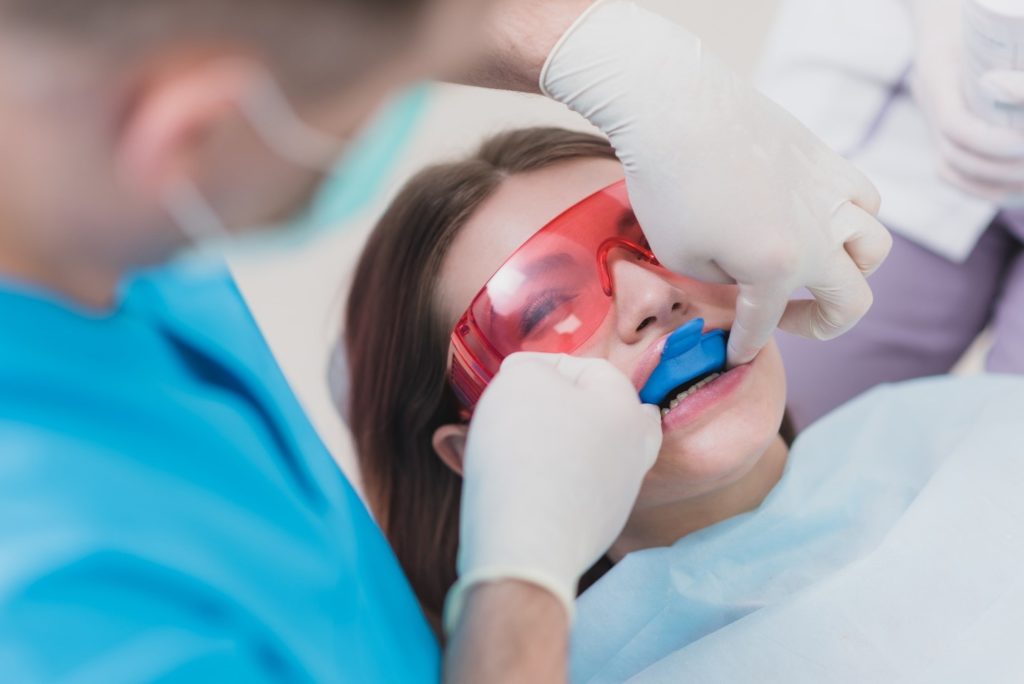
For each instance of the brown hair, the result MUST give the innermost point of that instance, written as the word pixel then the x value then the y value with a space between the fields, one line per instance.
pixel 397 344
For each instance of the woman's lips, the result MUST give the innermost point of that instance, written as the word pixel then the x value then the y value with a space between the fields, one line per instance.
pixel 705 399
pixel 649 361
pixel 651 357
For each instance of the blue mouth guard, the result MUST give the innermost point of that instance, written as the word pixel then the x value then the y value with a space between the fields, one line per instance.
pixel 689 353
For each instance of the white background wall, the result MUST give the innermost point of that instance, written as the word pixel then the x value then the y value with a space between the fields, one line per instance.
pixel 297 297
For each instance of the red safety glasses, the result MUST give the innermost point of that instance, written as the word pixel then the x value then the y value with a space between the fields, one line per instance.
pixel 551 295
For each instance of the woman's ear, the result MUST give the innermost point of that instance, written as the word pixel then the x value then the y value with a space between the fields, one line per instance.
pixel 450 445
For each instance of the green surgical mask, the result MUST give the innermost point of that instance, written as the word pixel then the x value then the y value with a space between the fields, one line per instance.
pixel 350 184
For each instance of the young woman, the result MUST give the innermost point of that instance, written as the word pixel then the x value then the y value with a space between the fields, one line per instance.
pixel 741 539
pixel 442 238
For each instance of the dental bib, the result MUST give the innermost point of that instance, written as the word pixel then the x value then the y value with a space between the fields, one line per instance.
pixel 890 551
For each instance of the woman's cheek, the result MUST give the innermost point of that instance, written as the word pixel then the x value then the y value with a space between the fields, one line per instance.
pixel 603 345
pixel 774 378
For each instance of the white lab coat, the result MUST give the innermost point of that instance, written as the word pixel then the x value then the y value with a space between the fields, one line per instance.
pixel 840 66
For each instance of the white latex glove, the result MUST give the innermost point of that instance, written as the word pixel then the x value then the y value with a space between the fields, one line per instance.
pixel 556 453
pixel 1005 86
pixel 727 185
pixel 982 158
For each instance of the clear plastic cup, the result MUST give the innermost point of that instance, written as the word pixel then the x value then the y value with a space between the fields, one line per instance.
pixel 993 39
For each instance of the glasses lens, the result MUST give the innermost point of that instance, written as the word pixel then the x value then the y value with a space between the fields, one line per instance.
pixel 546 298
pixel 550 296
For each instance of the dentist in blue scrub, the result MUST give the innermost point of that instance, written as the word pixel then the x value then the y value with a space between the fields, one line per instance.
pixel 167 512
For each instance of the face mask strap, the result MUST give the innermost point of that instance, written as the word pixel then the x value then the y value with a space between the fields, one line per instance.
pixel 282 130
pixel 193 214
pixel 274 118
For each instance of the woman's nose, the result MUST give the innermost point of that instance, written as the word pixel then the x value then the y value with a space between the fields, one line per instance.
pixel 645 302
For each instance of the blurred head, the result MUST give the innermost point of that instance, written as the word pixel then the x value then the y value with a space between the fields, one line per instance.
pixel 106 104
pixel 440 241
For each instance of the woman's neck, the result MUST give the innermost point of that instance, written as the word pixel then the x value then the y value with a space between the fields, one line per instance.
pixel 664 525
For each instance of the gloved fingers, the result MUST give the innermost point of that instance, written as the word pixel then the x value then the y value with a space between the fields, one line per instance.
pixel 600 375
pixel 997 193
pixel 584 372
pixel 867 241
pixel 1000 171
pixel 758 311
pixel 1005 86
pixel 841 298
pixel 653 435
pixel 532 358
pixel 941 97
pixel 974 134
pixel 865 195
pixel 706 270
pixel 567 367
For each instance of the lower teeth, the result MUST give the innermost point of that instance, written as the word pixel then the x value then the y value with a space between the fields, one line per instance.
pixel 683 395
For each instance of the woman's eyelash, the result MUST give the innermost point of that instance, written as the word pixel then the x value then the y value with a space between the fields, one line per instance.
pixel 540 308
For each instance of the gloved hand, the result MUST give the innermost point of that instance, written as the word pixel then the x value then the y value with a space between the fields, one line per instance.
pixel 556 453
pixel 727 185
pixel 982 158
pixel 1005 86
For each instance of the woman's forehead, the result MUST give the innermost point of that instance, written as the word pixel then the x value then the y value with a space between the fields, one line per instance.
pixel 522 205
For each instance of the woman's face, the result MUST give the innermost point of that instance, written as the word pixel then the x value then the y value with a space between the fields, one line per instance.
pixel 716 435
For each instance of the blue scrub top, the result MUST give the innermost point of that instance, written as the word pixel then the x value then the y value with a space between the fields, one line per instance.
pixel 167 511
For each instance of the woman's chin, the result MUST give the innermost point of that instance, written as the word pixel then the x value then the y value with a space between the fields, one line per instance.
pixel 691 465
pixel 726 435
pixel 695 473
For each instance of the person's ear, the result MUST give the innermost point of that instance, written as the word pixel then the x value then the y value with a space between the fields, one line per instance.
pixel 171 117
pixel 450 445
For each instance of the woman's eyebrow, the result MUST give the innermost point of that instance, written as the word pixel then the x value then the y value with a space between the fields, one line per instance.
pixel 547 263
pixel 538 267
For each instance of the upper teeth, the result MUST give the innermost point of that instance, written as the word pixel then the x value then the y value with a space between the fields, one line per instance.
pixel 682 395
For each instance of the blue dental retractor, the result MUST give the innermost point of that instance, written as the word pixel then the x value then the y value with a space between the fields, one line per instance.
pixel 689 354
